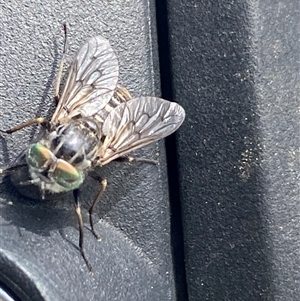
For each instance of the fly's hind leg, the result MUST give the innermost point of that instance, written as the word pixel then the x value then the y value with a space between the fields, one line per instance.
pixel 80 224
pixel 133 159
pixel 61 66
pixel 95 202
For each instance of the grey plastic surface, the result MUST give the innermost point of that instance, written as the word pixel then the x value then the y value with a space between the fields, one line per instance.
pixel 235 67
pixel 39 258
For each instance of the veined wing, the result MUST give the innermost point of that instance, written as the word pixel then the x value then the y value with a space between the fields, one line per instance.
pixel 136 123
pixel 92 80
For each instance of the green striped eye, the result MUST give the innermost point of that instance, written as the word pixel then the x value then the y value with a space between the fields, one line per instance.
pixel 67 176
pixel 62 172
pixel 38 155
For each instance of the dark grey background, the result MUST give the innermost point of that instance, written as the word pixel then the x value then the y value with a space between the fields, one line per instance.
pixel 233 167
pixel 235 67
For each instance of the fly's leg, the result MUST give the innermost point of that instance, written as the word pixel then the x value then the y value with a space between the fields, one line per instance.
pixel 39 120
pixel 60 69
pixel 121 94
pixel 96 200
pixel 80 223
pixel 132 159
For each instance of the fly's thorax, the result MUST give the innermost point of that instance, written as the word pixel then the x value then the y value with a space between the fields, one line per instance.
pixel 76 142
pixel 51 173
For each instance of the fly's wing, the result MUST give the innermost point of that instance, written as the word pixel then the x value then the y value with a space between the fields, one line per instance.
pixel 136 123
pixel 91 83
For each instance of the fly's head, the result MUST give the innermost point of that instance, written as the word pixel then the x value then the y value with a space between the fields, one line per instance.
pixel 50 173
pixel 59 161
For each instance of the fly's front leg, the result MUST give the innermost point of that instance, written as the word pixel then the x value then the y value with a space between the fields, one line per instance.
pixel 80 223
pixel 61 66
pixel 91 210
pixel 133 159
pixel 40 120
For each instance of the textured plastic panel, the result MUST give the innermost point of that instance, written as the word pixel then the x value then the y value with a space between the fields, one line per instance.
pixel 235 68
pixel 39 259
